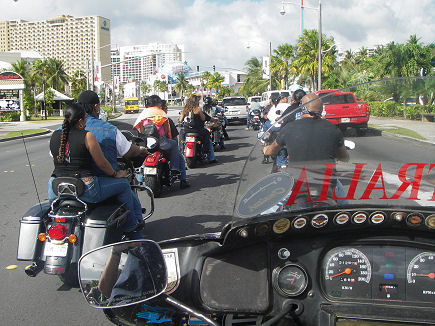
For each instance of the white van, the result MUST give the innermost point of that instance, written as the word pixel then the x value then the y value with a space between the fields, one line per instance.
pixel 265 97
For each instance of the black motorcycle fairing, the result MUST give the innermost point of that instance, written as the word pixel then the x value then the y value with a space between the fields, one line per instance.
pixel 220 275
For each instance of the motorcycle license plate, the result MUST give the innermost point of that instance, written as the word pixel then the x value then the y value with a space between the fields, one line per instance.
pixel 57 250
pixel 149 170
pixel 345 119
pixel 190 139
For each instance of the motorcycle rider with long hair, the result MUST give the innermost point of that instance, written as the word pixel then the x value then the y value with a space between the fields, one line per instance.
pixel 198 118
pixel 74 150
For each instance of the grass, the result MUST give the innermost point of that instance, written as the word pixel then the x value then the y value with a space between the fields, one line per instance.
pixel 23 133
pixel 41 119
pixel 399 131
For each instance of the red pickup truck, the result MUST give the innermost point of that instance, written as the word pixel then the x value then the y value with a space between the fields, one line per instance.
pixel 343 110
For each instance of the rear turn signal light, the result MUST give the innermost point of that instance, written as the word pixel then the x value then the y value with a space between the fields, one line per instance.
pixel 57 232
pixel 163 160
pixel 199 142
pixel 182 141
pixel 42 237
pixel 72 238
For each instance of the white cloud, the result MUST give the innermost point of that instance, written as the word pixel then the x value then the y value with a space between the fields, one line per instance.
pixel 218 32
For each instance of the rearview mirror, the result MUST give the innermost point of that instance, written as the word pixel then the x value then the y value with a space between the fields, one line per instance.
pixel 122 274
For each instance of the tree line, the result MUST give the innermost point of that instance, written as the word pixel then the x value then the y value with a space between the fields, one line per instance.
pixel 297 62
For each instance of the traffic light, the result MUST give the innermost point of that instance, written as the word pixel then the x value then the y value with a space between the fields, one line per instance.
pixel 197 68
pixel 214 68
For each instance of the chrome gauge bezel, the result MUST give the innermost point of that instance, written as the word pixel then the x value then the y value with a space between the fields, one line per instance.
pixel 275 278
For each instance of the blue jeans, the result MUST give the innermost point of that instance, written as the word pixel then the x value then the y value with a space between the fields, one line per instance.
pixel 281 158
pixel 104 187
pixel 176 159
pixel 248 117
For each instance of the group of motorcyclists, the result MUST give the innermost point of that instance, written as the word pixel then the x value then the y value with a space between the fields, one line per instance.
pixel 87 148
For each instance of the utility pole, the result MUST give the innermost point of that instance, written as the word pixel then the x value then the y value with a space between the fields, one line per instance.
pixel 270 61
pixel 319 78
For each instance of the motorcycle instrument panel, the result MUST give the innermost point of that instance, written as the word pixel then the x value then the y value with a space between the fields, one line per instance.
pixel 382 273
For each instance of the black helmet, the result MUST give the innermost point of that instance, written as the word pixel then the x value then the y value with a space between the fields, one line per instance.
pixel 298 95
pixel 88 99
pixel 208 101
pixel 275 97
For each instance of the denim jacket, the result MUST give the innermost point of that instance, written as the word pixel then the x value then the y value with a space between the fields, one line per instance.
pixel 105 133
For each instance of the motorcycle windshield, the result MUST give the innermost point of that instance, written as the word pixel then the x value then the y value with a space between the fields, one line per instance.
pixel 391 164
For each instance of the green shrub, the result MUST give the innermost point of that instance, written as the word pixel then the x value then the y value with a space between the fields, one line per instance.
pixel 385 109
pixel 10 116
pixel 413 112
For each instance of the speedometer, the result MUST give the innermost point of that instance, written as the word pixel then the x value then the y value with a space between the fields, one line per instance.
pixel 347 273
pixel 420 277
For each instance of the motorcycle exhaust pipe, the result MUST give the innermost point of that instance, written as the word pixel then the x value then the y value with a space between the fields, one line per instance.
pixel 35 268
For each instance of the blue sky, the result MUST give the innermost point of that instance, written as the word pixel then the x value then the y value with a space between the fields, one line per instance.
pixel 218 32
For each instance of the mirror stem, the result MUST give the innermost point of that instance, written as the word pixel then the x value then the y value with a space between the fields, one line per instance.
pixel 178 304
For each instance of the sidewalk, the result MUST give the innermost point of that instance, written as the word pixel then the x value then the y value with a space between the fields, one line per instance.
pixel 6 127
pixel 424 129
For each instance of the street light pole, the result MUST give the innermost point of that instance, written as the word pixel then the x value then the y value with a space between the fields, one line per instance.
pixel 319 78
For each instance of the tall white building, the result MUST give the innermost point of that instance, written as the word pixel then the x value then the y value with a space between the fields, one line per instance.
pixel 138 62
pixel 77 41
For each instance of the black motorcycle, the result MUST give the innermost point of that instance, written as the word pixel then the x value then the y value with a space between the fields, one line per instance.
pixel 255 119
pixel 54 236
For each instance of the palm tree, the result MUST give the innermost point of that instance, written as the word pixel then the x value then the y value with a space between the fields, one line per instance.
pixel 306 61
pixel 163 87
pixel 280 63
pixel 78 83
pixel 39 73
pixel 182 84
pixel 205 77
pixel 57 75
pixel 215 82
pixel 145 88
pixel 254 82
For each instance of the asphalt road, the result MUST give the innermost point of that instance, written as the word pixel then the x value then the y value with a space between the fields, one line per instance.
pixel 45 301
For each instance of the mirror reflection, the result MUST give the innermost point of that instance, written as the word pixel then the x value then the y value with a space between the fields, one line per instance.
pixel 122 274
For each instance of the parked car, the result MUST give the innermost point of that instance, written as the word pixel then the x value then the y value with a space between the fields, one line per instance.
pixel 236 108
pixel 343 110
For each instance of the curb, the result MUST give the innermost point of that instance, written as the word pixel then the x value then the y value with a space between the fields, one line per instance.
pixel 391 134
pixel 25 136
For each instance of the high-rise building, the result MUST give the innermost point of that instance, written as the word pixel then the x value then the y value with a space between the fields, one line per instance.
pixel 137 62
pixel 76 41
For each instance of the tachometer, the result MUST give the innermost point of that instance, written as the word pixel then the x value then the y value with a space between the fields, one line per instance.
pixel 420 277
pixel 347 273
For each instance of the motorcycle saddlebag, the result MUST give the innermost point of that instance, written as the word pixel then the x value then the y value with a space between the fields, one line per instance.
pixel 107 216
pixel 30 227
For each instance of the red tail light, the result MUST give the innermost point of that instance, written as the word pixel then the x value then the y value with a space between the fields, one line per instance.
pixel 189 145
pixel 163 160
pixel 57 232
pixel 60 219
